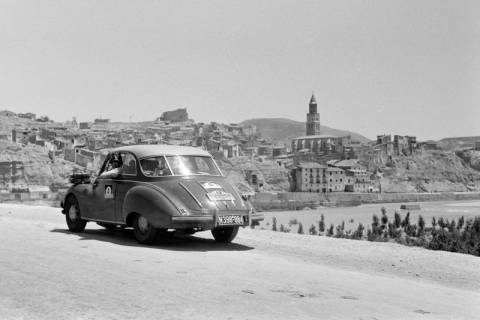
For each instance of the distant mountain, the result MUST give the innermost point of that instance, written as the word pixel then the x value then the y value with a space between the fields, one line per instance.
pixel 283 130
pixel 458 143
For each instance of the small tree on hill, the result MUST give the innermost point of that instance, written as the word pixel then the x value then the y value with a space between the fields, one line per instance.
pixel 274 224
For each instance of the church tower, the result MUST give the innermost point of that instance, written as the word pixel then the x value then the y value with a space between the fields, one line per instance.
pixel 313 118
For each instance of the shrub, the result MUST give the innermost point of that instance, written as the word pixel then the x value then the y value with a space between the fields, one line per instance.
pixel 384 219
pixel 293 222
pixel 397 220
pixel 358 234
pixel 300 228
pixel 339 232
pixel 312 230
pixel 284 229
pixel 274 224
pixel 321 223
pixel 406 221
pixel 461 222
pixel 330 231
pixel 421 225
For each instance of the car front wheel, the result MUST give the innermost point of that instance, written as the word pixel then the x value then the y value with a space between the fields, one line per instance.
pixel 225 234
pixel 143 230
pixel 74 220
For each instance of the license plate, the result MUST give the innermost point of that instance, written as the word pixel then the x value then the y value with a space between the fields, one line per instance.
pixel 220 196
pixel 230 220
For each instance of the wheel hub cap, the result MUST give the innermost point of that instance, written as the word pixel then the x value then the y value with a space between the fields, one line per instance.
pixel 143 224
pixel 72 213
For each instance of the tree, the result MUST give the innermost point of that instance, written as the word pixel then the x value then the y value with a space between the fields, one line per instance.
pixel 312 230
pixel 274 224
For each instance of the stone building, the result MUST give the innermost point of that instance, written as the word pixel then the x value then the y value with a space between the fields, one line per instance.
pixel 399 145
pixel 335 179
pixel 324 144
pixel 357 179
pixel 178 115
pixel 309 177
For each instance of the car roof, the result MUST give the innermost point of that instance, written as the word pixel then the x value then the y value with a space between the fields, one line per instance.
pixel 149 150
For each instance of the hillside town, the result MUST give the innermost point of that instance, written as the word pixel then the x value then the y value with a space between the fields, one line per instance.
pixel 312 163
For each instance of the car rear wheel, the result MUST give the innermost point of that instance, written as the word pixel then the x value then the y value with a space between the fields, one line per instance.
pixel 143 230
pixel 74 220
pixel 225 234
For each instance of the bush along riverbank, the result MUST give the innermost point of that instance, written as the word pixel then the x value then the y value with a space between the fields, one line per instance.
pixel 461 235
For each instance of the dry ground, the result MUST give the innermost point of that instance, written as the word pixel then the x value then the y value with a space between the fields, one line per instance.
pixel 47 272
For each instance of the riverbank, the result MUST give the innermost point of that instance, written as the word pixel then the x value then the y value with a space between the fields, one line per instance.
pixel 303 200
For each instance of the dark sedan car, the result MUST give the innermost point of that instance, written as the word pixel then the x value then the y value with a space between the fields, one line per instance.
pixel 155 188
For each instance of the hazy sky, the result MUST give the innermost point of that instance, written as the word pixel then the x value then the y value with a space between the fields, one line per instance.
pixel 404 67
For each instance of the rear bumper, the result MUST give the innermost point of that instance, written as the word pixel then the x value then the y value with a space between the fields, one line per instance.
pixel 211 221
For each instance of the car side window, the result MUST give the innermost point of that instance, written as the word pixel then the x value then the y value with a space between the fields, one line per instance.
pixel 129 165
pixel 155 167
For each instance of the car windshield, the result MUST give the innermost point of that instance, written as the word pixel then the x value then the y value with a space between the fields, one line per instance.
pixel 193 165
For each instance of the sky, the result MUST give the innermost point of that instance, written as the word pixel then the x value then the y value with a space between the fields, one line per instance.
pixel 401 67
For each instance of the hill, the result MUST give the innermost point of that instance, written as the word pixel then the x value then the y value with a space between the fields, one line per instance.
pixel 283 130
pixel 458 143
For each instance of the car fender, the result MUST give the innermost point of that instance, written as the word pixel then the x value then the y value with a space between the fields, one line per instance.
pixel 150 202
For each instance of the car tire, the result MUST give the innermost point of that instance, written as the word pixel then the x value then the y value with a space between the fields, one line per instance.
pixel 143 230
pixel 225 234
pixel 73 217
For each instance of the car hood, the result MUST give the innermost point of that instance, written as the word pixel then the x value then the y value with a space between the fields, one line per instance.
pixel 203 193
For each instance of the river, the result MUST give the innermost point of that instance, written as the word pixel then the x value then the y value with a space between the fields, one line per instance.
pixel 363 213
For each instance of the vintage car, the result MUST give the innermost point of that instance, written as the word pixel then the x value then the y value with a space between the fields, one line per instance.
pixel 158 188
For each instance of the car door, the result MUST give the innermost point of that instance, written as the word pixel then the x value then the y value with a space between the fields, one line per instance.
pixel 103 194
pixel 125 181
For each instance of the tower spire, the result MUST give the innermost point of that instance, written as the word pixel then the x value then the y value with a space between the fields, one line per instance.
pixel 313 118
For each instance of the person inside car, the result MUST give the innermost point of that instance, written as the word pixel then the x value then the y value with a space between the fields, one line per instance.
pixel 113 167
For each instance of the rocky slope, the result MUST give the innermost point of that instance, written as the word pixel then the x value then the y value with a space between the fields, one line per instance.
pixel 425 171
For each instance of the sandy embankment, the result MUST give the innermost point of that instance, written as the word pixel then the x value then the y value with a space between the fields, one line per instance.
pixel 47 272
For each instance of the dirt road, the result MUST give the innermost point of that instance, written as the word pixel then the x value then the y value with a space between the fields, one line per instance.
pixel 48 273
